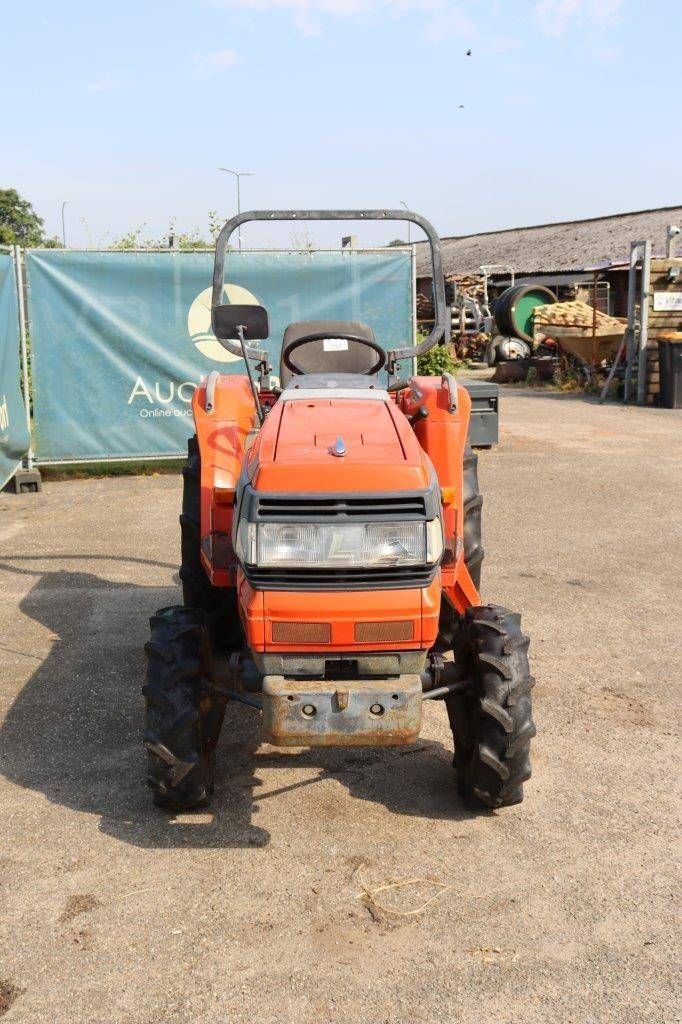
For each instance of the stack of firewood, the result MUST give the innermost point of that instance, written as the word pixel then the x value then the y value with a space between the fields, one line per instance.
pixel 573 314
pixel 470 284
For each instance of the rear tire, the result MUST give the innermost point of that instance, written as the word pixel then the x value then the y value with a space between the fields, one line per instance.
pixel 183 714
pixel 219 604
pixel 492 721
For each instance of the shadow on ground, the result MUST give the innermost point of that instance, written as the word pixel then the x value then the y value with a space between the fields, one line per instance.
pixel 73 733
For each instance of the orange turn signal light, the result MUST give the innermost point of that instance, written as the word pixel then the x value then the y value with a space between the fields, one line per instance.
pixel 447 495
pixel 384 632
pixel 301 633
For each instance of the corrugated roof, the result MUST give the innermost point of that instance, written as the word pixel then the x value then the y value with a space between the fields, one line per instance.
pixel 554 248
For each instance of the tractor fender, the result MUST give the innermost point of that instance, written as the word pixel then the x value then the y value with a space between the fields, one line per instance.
pixel 224 416
pixel 440 418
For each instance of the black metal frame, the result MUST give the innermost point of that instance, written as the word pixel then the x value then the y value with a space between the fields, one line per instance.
pixel 440 327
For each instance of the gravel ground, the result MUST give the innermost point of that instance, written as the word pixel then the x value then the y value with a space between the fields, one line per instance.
pixel 560 909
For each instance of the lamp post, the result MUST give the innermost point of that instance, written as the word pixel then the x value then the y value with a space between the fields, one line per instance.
pixel 403 203
pixel 237 175
pixel 63 225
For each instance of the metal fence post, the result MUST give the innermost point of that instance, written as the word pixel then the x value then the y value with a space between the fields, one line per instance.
pixel 631 330
pixel 19 272
pixel 413 262
pixel 644 324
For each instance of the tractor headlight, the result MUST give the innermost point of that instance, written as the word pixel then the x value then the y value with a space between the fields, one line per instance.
pixel 327 545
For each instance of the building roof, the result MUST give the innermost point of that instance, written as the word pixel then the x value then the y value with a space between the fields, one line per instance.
pixel 554 248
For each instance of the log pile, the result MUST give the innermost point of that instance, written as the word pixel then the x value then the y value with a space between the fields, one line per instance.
pixel 469 284
pixel 575 314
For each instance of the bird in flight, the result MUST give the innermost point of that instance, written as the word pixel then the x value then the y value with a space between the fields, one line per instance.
pixel 468 53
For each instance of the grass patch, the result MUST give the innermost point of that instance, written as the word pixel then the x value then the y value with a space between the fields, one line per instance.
pixel 94 470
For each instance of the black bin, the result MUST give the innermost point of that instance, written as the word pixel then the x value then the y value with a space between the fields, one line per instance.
pixel 483 427
pixel 670 365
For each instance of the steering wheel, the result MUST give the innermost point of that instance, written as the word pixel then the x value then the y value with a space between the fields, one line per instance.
pixel 289 349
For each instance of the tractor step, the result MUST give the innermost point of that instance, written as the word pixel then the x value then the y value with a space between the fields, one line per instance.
pixel 342 713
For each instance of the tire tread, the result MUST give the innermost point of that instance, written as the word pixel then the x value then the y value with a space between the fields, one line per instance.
pixel 179 762
pixel 494 727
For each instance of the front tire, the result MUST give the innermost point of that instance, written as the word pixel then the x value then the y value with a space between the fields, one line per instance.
pixel 492 720
pixel 183 714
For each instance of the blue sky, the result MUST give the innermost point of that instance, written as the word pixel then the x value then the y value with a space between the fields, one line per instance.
pixel 569 108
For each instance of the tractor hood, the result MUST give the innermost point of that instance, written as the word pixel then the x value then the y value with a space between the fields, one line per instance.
pixel 314 441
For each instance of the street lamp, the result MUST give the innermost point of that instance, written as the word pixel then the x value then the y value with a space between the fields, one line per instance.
pixel 237 175
pixel 409 225
pixel 63 226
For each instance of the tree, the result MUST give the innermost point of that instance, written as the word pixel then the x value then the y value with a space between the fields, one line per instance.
pixel 20 224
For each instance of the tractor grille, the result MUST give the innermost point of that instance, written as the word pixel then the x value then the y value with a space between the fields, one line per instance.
pixel 380 578
pixel 368 508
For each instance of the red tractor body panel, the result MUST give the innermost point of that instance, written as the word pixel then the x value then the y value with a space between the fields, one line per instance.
pixel 287 622
pixel 292 453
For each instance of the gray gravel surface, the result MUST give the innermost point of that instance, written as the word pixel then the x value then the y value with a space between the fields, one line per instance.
pixel 560 909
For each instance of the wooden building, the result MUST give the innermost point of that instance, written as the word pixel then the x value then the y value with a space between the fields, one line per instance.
pixel 566 257
pixel 664 317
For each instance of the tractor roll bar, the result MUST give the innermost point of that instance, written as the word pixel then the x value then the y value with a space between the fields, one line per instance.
pixel 440 326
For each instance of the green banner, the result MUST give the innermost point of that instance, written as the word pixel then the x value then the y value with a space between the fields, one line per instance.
pixel 120 339
pixel 14 438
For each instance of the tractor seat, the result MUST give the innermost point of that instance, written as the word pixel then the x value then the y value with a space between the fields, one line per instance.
pixel 329 347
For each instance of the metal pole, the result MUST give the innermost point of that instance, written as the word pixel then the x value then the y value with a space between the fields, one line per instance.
pixel 409 226
pixel 24 357
pixel 644 324
pixel 594 318
pixel 63 225
pixel 413 262
pixel 238 175
pixel 239 210
pixel 671 232
pixel 254 389
pixel 630 329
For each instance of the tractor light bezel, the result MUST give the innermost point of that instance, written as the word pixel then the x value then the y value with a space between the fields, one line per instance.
pixel 366 545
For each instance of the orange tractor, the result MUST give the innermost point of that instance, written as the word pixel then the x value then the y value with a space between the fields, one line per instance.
pixel 331 558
